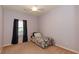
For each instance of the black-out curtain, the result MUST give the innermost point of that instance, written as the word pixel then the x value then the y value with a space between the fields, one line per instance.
pixel 15 32
pixel 25 37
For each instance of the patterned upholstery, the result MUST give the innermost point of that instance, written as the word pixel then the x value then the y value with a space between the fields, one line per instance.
pixel 42 41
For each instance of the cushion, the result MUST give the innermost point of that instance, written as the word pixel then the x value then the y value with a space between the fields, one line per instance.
pixel 37 34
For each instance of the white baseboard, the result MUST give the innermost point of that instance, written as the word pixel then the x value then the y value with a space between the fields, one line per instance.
pixel 6 45
pixel 67 48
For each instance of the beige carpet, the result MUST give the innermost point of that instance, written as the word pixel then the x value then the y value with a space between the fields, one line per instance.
pixel 28 48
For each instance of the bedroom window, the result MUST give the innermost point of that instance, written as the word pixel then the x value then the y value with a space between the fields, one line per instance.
pixel 20 27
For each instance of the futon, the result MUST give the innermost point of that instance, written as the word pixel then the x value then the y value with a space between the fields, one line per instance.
pixel 41 41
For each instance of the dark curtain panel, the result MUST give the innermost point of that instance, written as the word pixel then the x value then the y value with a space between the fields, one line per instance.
pixel 15 32
pixel 25 37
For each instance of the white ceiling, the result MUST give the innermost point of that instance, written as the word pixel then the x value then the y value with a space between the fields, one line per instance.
pixel 27 8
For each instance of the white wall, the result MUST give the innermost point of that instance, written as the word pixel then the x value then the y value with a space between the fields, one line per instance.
pixel 60 24
pixel 77 27
pixel 9 16
pixel 1 26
